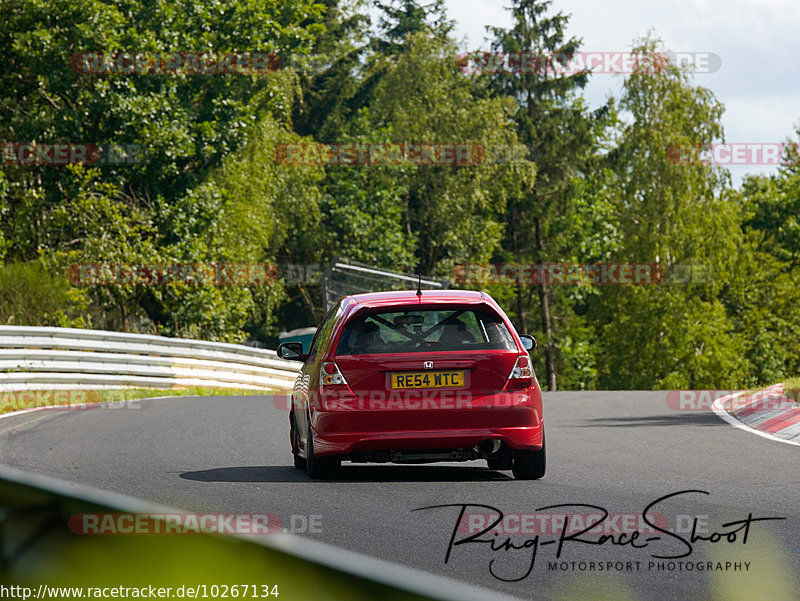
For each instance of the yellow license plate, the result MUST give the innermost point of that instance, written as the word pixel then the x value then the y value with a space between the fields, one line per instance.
pixel 428 379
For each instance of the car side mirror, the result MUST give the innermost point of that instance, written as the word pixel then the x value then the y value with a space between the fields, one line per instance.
pixel 292 351
pixel 528 342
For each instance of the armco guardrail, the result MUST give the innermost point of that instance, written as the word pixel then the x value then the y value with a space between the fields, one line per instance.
pixel 40 552
pixel 33 358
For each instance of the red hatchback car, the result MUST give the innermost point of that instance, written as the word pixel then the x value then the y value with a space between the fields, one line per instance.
pixel 405 377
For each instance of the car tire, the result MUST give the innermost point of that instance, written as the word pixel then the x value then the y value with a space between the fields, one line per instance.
pixel 504 460
pixel 530 465
pixel 320 467
pixel 299 462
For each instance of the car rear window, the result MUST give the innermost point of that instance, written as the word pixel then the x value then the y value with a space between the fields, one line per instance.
pixel 424 330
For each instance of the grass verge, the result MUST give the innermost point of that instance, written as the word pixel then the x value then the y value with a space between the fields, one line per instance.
pixel 791 389
pixel 29 399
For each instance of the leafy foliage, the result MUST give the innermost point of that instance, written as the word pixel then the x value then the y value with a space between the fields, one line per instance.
pixel 583 186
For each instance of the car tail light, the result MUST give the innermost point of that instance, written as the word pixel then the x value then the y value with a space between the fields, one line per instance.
pixel 333 388
pixel 521 377
pixel 331 376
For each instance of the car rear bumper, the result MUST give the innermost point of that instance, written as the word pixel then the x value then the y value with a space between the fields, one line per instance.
pixel 354 443
pixel 513 418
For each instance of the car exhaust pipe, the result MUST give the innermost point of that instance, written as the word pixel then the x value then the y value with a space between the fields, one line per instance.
pixel 488 447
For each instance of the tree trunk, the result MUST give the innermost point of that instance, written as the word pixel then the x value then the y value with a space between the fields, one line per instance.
pixel 548 349
pixel 522 324
pixel 544 304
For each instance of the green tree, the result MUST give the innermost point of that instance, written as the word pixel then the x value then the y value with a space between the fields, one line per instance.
pixel 677 334
pixel 31 296
pixel 765 300
pixel 186 124
pixel 402 19
pixel 452 213
pixel 562 136
pixel 331 87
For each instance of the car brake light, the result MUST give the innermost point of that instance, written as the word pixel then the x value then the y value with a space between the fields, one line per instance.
pixel 331 376
pixel 521 377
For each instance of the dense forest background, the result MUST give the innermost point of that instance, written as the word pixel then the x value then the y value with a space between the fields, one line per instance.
pixel 586 185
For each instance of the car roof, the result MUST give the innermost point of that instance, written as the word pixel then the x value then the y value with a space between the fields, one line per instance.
pixel 409 297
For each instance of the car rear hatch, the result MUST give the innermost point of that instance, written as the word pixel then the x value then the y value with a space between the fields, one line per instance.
pixel 425 368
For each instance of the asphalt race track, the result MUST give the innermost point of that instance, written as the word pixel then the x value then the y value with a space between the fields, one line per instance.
pixel 619 451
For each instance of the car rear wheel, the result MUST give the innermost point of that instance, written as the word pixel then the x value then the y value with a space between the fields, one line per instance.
pixel 530 465
pixel 320 467
pixel 299 462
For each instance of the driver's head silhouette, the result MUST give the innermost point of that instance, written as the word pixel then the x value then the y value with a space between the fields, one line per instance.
pixel 368 338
